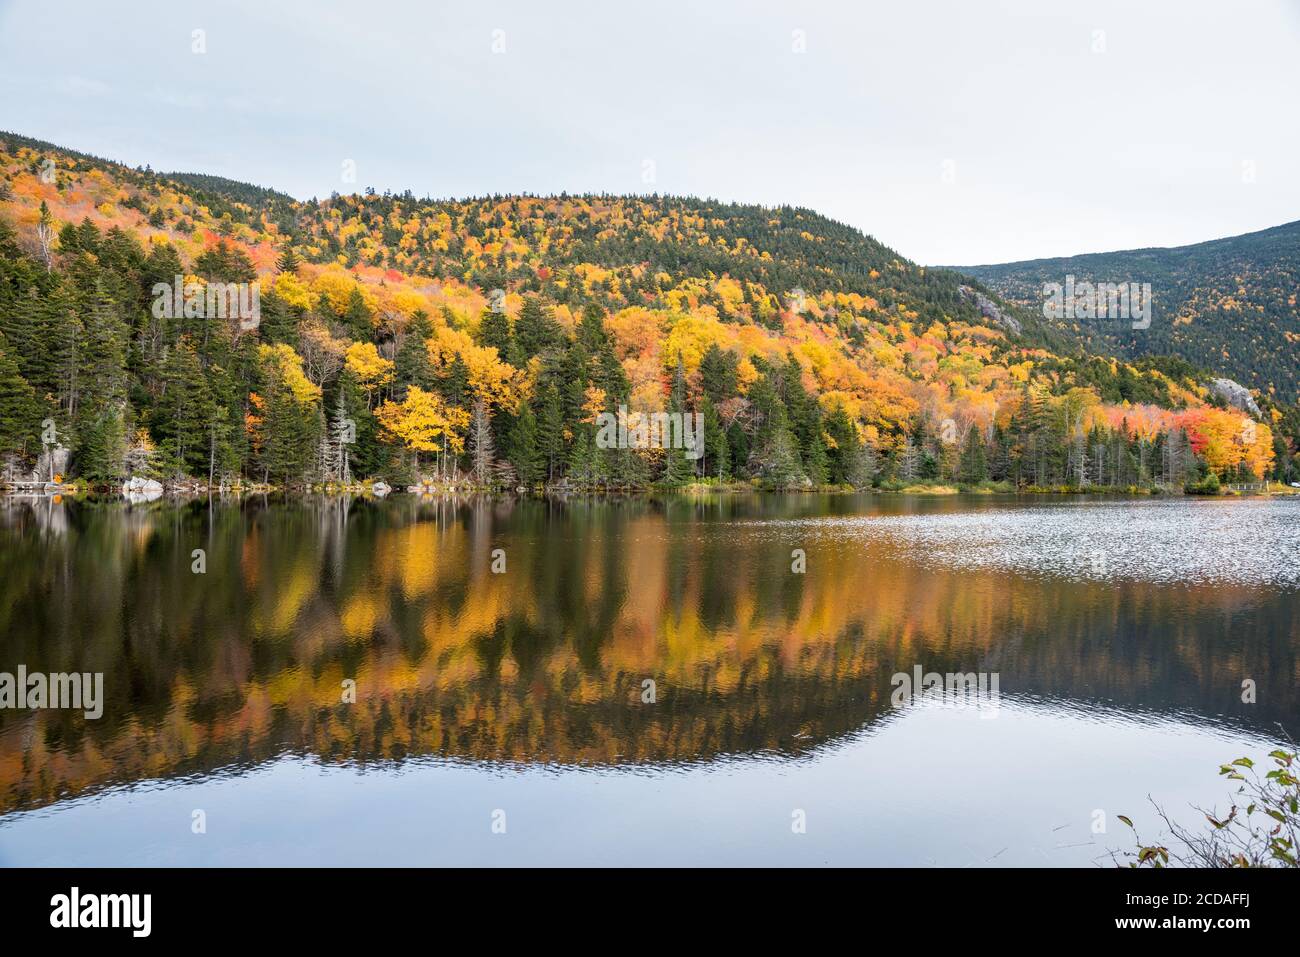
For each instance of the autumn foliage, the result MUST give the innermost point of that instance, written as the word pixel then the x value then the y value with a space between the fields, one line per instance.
pixel 816 354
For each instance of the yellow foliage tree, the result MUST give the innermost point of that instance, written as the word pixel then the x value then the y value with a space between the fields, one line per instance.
pixel 495 382
pixel 424 423
pixel 372 370
pixel 287 364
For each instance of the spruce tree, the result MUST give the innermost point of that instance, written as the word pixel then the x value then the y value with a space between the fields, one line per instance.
pixel 550 432
pixel 718 374
pixel 494 330
pixel 717 458
pixel 288 261
pixel 525 454
pixel 101 445
pixel 412 365
pixel 973 467
pixel 536 330
pixel 365 454
pixel 19 410
pixel 356 316
pixel 182 413
pixel 678 470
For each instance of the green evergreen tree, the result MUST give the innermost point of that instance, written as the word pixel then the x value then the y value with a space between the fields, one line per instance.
pixel 101 446
pixel 536 330
pixel 366 454
pixel 412 365
pixel 525 454
pixel 550 432
pixel 183 413
pixel 278 323
pixel 677 468
pixel 805 418
pixel 718 374
pixel 356 316
pixel 717 457
pixel 453 383
pixel 20 411
pixel 974 467
pixel 494 330
pixel 842 457
pixel 288 261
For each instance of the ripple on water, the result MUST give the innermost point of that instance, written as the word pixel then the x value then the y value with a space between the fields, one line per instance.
pixel 1242 542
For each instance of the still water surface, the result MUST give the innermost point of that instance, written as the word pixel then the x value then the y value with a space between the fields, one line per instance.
pixel 1120 631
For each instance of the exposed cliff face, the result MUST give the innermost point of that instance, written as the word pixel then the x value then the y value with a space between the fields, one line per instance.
pixel 1235 394
pixel 989 309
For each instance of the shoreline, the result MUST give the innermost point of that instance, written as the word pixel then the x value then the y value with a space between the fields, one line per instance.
pixel 460 489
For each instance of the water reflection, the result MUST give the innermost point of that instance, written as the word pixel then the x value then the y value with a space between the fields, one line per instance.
pixel 546 663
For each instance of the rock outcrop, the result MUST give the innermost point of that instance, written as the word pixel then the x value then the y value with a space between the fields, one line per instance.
pixel 990 310
pixel 1235 394
pixel 137 490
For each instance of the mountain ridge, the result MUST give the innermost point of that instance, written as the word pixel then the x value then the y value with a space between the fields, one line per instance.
pixel 1227 304
pixel 1287 226
pixel 814 343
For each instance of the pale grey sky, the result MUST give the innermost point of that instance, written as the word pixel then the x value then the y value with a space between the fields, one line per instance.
pixel 956 132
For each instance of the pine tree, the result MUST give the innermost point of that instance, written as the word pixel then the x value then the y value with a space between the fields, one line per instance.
pixel 366 454
pixel 88 237
pixel 291 419
pixel 738 447
pixel 26 326
pixel 778 459
pixel 843 456
pixel 607 372
pixel 774 451
pixel 929 465
pixel 1039 435
pixel 582 467
pixel 999 455
pixel 278 322
pixel 805 417
pixel 453 383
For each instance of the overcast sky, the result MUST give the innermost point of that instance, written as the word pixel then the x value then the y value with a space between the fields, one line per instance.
pixel 956 132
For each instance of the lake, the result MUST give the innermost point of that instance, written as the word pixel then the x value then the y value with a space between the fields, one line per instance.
pixel 723 679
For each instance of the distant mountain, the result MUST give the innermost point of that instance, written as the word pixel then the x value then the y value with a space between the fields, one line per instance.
pixel 1228 304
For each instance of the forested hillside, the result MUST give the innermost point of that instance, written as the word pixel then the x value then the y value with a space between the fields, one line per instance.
pixel 1228 305
pixel 479 340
